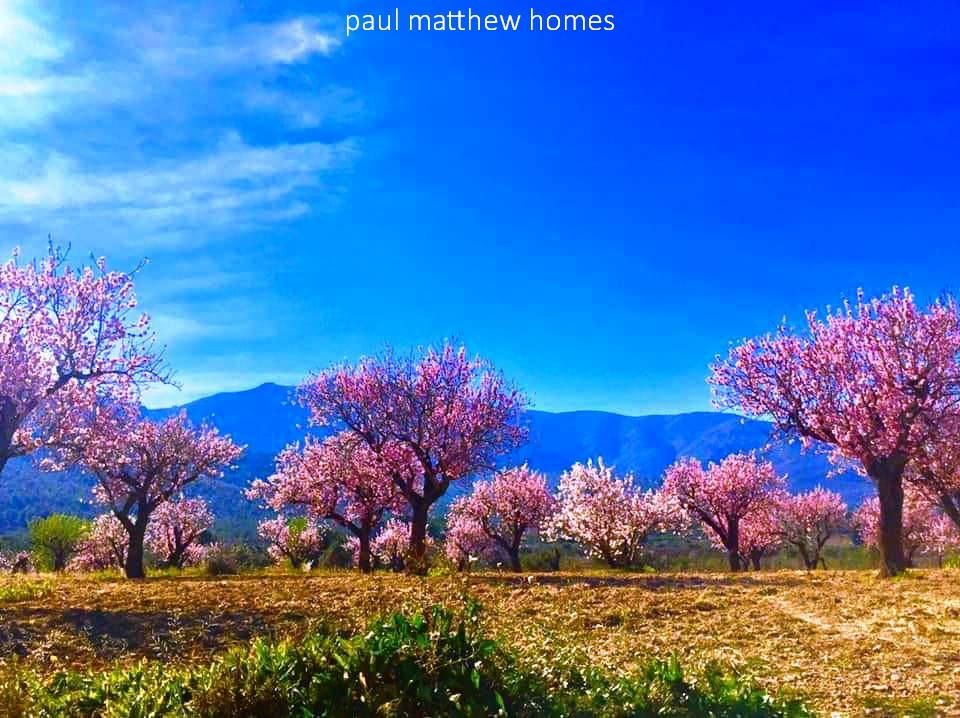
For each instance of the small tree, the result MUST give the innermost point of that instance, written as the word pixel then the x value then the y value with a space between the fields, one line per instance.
pixel 55 539
pixel 506 508
pixel 760 536
pixel 105 546
pixel 808 520
pixel 141 465
pixel 608 516
pixel 298 540
pixel 173 534
pixel 876 382
pixel 339 479
pixel 452 415
pixel 723 495
pixel 465 541
pixel 391 547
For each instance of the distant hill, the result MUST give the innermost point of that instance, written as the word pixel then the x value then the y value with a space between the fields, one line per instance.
pixel 266 418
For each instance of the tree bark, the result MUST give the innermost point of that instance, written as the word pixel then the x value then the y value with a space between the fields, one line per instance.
pixel 889 477
pixel 133 566
pixel 416 562
pixel 733 545
pixel 515 560
pixel 363 559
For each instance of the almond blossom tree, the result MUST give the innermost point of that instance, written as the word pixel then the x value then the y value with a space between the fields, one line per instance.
pixel 452 415
pixel 936 471
pixel 70 338
pixel 925 530
pixel 465 541
pixel 875 381
pixel 608 516
pixel 340 479
pixel 173 534
pixel 298 540
pixel 391 547
pixel 808 520
pixel 141 464
pixel 724 495
pixel 105 546
pixel 760 536
pixel 514 502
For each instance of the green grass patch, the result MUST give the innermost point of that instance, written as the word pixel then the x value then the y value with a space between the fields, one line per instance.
pixel 24 589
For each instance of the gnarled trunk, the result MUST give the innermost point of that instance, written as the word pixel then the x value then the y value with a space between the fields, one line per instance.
pixel 416 562
pixel 133 566
pixel 363 558
pixel 889 478
pixel 733 545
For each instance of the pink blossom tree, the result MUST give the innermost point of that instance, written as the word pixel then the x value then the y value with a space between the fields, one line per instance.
pixel 391 547
pixel 173 534
pixel 298 540
pixel 936 471
pixel 925 530
pixel 608 516
pixel 105 546
pixel 514 502
pixel 70 339
pixel 141 465
pixel 340 479
pixel 808 520
pixel 465 541
pixel 452 415
pixel 724 495
pixel 875 381
pixel 760 536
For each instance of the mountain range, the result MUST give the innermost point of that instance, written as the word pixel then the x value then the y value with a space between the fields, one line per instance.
pixel 266 418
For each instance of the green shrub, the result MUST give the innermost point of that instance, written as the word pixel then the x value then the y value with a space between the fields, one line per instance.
pixel 54 540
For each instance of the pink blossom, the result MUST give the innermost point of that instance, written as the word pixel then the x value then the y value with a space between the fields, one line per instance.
pixel 808 520
pixel 70 339
pixel 140 465
pixel 608 516
pixel 452 415
pixel 297 540
pixel 875 382
pixel 514 502
pixel 339 479
pixel 104 547
pixel 725 496
pixel 174 531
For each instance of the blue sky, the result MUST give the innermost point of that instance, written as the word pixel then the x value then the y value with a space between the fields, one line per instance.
pixel 599 214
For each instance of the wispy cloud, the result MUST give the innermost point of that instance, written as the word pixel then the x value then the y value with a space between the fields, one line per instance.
pixel 165 98
pixel 235 184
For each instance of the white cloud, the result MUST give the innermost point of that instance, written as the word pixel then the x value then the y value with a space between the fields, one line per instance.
pixel 236 184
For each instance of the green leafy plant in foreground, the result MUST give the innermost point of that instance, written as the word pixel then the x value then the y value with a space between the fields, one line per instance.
pixel 431 664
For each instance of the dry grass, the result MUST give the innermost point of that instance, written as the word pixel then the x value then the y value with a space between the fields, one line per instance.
pixel 846 640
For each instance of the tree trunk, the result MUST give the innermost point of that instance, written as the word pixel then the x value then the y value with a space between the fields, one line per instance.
pixel 949 505
pixel 133 566
pixel 416 562
pixel 59 560
pixel 808 562
pixel 755 557
pixel 555 559
pixel 363 558
pixel 514 555
pixel 733 545
pixel 889 478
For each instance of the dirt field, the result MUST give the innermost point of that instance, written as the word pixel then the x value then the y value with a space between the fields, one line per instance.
pixel 848 641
